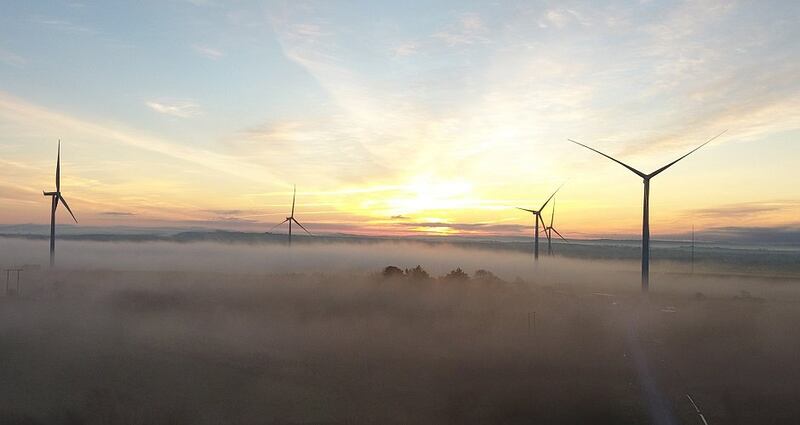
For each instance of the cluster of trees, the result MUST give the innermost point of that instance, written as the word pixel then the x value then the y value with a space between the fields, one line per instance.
pixel 418 274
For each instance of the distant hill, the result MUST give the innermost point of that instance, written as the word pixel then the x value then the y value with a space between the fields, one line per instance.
pixel 779 260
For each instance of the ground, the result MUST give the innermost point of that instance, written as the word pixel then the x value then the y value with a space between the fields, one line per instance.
pixel 110 347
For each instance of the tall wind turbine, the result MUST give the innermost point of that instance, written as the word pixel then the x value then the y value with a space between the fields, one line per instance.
pixel 646 204
pixel 537 217
pixel 56 198
pixel 548 230
pixel 291 219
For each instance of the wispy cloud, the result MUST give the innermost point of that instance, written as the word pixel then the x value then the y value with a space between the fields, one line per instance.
pixel 469 29
pixel 560 18
pixel 208 52
pixel 25 113
pixel 62 25
pixel 10 58
pixel 117 213
pixel 775 235
pixel 746 210
pixel 175 108
pixel 405 49
pixel 469 228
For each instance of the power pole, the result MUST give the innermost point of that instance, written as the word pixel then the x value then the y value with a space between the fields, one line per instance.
pixel 692 248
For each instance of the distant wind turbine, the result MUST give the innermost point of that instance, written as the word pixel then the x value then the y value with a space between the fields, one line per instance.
pixel 548 230
pixel 646 204
pixel 56 198
pixel 291 219
pixel 537 217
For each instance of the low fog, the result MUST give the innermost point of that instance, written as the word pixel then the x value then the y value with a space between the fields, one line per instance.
pixel 207 333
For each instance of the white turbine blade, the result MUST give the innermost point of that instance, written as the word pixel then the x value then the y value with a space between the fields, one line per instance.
pixel 58 168
pixel 294 196
pixel 301 226
pixel 64 201
pixel 654 173
pixel 559 235
pixel 525 209
pixel 635 171
pixel 273 227
pixel 551 197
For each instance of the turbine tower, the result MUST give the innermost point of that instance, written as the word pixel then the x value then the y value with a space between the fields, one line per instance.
pixel 646 204
pixel 537 217
pixel 56 198
pixel 548 230
pixel 291 219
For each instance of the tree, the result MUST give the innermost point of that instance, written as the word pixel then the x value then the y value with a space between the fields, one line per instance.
pixel 486 276
pixel 457 275
pixel 392 272
pixel 417 274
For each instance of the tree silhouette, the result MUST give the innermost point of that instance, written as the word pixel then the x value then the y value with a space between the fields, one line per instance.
pixel 486 276
pixel 392 272
pixel 457 275
pixel 417 274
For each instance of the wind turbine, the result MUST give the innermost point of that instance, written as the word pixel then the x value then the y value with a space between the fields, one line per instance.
pixel 56 198
pixel 291 219
pixel 548 230
pixel 537 217
pixel 646 204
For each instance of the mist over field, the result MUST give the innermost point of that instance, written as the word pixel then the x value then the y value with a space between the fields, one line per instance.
pixel 160 332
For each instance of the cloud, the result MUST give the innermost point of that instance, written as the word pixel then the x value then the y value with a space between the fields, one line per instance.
pixel 777 234
pixel 27 114
pixel 469 29
pixel 225 212
pixel 469 228
pixel 10 58
pixel 117 213
pixel 208 52
pixel 560 18
pixel 405 49
pixel 745 210
pixel 62 25
pixel 400 217
pixel 175 108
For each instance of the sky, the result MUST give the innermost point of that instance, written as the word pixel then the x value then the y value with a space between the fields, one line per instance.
pixel 402 118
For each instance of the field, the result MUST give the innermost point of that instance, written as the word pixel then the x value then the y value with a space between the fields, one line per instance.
pixel 210 333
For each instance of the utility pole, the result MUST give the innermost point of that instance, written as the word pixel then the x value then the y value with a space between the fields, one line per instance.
pixel 692 248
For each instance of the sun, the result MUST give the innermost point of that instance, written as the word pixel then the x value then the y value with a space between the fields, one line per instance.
pixel 425 194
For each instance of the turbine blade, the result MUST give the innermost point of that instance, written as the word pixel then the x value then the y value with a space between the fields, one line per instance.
pixel 64 201
pixel 544 226
pixel 525 209
pixel 301 226
pixel 273 227
pixel 655 173
pixel 294 196
pixel 553 213
pixel 551 197
pixel 58 168
pixel 635 171
pixel 559 235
